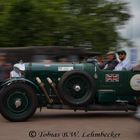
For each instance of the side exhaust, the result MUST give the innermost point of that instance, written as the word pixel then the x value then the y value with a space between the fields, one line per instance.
pixel 41 84
pixel 52 84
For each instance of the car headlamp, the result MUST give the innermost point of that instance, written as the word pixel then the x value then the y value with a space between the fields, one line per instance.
pixel 18 70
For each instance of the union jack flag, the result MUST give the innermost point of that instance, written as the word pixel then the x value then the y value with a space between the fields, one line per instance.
pixel 112 77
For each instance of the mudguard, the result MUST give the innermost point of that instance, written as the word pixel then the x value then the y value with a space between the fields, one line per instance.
pixel 26 81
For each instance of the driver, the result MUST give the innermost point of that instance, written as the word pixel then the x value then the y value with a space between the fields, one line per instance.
pixel 123 64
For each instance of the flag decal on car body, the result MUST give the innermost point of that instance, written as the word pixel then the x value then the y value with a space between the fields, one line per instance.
pixel 112 77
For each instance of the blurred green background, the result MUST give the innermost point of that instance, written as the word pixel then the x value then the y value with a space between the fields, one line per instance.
pixel 77 23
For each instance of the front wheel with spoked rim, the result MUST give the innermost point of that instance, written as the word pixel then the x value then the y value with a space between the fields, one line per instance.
pixel 18 102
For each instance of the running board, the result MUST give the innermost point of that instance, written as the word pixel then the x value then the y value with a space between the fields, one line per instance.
pixel 94 107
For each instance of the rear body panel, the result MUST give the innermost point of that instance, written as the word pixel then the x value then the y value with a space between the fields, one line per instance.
pixel 111 86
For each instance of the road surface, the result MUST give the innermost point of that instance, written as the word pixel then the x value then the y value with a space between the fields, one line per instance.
pixel 69 125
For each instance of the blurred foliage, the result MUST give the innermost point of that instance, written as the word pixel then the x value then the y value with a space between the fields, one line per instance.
pixel 89 23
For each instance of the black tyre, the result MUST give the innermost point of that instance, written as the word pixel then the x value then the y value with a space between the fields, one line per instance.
pixel 77 88
pixel 18 102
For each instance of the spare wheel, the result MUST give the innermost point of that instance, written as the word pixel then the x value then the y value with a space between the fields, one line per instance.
pixel 77 88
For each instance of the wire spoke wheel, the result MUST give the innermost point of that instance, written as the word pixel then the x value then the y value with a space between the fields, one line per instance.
pixel 76 88
pixel 18 102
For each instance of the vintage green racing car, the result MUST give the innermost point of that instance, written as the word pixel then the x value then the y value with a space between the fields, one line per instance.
pixel 75 86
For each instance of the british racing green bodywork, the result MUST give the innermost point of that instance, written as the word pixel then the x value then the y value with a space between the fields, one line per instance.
pixel 106 92
pixel 113 90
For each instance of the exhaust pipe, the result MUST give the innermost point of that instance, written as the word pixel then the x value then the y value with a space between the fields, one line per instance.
pixel 52 84
pixel 41 84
